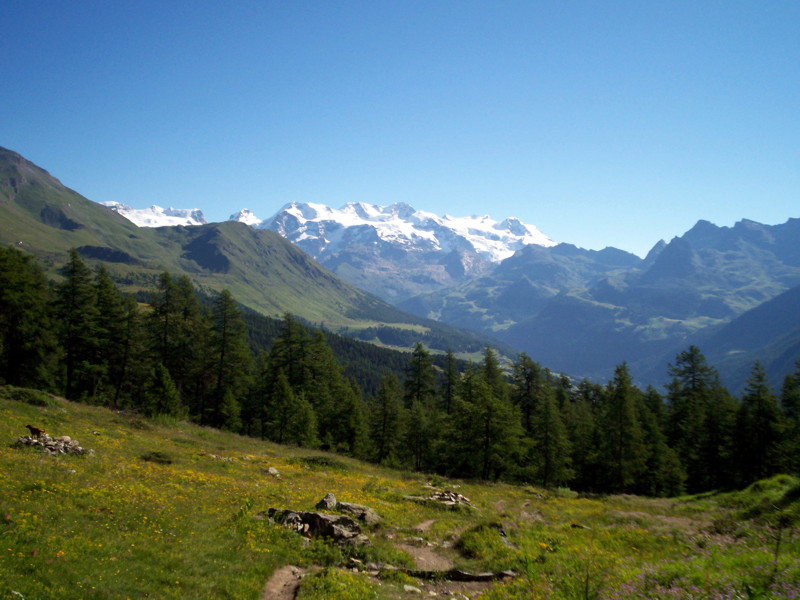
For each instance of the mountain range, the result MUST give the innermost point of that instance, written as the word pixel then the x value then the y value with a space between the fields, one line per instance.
pixel 733 291
pixel 262 270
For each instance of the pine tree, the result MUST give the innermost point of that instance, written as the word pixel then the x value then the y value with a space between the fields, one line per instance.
pixel 386 419
pixel 487 430
pixel 289 352
pixel 758 429
pixel 551 450
pixel 232 361
pixel 418 437
pixel 493 375
pixel 528 385
pixel 663 474
pixel 581 425
pixel 162 395
pixel 419 385
pixel 302 428
pixel 281 404
pixel 450 383
pixel 790 405
pixel 624 451
pixel 700 420
pixel 112 329
pixel 26 340
pixel 76 313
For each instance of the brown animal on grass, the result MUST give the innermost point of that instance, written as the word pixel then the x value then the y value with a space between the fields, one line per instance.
pixel 36 433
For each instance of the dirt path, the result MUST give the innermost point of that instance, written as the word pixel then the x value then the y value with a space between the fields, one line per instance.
pixel 283 584
pixel 424 526
pixel 426 559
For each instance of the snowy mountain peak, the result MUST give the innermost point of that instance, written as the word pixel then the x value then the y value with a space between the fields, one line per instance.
pixel 320 230
pixel 245 216
pixel 156 216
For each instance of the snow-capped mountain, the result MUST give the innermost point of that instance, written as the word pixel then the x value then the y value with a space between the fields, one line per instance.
pixel 321 230
pixel 245 216
pixel 397 251
pixel 156 216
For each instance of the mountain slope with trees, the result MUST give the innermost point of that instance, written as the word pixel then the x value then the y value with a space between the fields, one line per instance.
pixel 182 358
pixel 261 269
pixel 582 312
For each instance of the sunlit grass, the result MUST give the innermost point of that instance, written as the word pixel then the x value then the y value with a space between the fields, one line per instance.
pixel 172 510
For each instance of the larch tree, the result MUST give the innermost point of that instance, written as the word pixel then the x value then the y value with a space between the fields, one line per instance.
pixel 76 312
pixel 758 429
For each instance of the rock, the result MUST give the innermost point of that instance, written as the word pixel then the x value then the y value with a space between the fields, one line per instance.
pixel 327 503
pixel 339 528
pixel 54 446
pixel 411 588
pixel 362 513
pixel 449 498
pixel 274 472
pixel 358 511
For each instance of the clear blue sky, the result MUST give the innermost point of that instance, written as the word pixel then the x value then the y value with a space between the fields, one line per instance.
pixel 602 123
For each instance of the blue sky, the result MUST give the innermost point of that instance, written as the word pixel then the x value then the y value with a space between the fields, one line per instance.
pixel 602 123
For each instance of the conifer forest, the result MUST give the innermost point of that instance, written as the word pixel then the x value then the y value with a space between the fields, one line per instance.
pixel 172 351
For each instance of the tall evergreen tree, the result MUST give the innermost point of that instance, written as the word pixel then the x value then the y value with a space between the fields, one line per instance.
pixel 76 313
pixel 700 419
pixel 528 386
pixel 450 383
pixel 26 341
pixel 758 429
pixel 289 352
pixel 487 430
pixel 551 450
pixel 624 451
pixel 232 360
pixel 419 385
pixel 162 395
pixel 112 333
pixel 386 419
pixel 282 403
pixel 493 374
pixel 584 436
pixel 790 405
pixel 663 474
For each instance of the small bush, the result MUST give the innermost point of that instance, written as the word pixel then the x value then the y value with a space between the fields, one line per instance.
pixel 324 462
pixel 29 396
pixel 158 457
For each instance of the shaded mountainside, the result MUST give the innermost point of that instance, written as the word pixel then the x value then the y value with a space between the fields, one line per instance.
pixel 582 312
pixel 261 269
pixel 769 333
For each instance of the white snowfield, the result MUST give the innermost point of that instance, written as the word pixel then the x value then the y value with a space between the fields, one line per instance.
pixel 155 216
pixel 319 229
pixel 402 226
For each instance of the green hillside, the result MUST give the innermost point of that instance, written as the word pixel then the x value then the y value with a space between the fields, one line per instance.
pixel 162 509
pixel 262 270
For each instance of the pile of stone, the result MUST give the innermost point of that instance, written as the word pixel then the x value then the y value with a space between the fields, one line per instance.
pixel 362 513
pixel 54 445
pixel 340 528
pixel 449 498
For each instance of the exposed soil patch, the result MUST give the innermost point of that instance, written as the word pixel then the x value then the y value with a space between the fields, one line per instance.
pixel 283 584
pixel 424 526
pixel 426 559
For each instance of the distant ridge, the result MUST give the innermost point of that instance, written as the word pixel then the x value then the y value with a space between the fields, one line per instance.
pixel 262 270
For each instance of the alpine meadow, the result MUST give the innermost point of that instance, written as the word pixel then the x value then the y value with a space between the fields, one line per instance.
pixel 194 393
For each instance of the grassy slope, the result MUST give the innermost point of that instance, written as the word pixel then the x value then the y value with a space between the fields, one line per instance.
pixel 263 270
pixel 115 525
